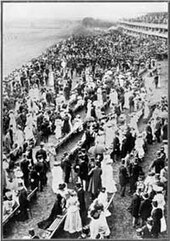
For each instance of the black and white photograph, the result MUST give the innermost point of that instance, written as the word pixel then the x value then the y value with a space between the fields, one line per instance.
pixel 84 120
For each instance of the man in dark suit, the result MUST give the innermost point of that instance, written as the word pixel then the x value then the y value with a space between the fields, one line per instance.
pixel 67 170
pixel 135 170
pixel 156 215
pixel 81 198
pixel 41 152
pixel 159 163
pixel 25 169
pixel 145 208
pixel 116 148
pixel 149 135
pixel 123 178
pixel 83 171
pixel 134 207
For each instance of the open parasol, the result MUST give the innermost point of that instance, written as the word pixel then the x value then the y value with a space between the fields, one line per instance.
pixel 97 149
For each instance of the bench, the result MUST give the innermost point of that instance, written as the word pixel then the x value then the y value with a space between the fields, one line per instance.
pixel 8 217
pixel 56 224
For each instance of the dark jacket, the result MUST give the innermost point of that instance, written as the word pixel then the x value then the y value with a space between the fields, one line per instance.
pixel 135 204
pixel 123 176
pixel 83 172
pixel 81 198
pixel 116 145
pixel 158 164
pixel 145 209
pixel 41 152
pixel 156 216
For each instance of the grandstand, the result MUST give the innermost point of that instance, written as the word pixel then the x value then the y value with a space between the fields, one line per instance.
pixel 151 24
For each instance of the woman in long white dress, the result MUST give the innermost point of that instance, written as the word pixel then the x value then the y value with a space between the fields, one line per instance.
pixel 58 124
pixel 110 128
pixel 36 92
pixel 114 97
pixel 146 110
pixel 99 96
pixel 98 225
pixel 73 221
pixel 139 144
pixel 19 137
pixel 28 131
pixel 89 106
pixel 107 175
pixel 51 79
pixel 57 176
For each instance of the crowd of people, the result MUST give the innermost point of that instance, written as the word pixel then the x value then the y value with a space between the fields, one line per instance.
pixel 155 17
pixel 38 102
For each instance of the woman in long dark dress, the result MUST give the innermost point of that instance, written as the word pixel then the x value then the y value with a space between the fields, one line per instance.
pixel 56 210
pixel 66 125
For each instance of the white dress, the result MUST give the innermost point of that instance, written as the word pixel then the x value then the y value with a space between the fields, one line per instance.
pixel 19 137
pixel 73 220
pixel 99 226
pixel 107 175
pixel 28 131
pixel 12 122
pixel 110 132
pixel 51 79
pixel 139 147
pixel 58 124
pixel 57 177
pixel 127 95
pixel 114 97
pixel 99 96
pixel 88 109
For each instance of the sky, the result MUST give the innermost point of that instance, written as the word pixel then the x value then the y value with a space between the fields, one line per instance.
pixel 58 10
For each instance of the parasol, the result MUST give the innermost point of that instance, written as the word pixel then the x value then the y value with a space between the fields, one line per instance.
pixel 97 149
pixel 89 119
pixel 163 114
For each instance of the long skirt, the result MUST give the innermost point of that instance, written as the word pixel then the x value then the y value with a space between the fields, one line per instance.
pixel 73 222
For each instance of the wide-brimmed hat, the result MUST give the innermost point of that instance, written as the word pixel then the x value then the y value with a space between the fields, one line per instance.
pixel 20 186
pixel 56 163
pixel 73 193
pixel 157 188
pixel 8 195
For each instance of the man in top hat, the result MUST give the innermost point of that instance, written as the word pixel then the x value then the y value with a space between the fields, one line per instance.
pixel 42 152
pixel 134 170
pixel 83 170
pixel 25 169
pixel 41 169
pixel 134 207
pixel 116 147
pixel 81 199
pixel 123 178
